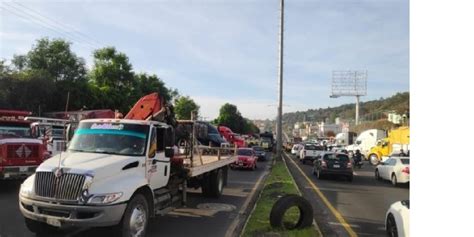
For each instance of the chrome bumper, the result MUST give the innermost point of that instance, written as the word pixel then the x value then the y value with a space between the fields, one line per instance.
pixel 71 215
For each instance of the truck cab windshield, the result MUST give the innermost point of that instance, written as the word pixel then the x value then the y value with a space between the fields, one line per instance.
pixel 110 138
pixel 14 130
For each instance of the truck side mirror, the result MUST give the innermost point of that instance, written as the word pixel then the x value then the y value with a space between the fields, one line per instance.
pixel 69 132
pixel 169 152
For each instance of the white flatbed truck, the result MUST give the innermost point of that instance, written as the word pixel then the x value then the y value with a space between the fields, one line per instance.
pixel 120 173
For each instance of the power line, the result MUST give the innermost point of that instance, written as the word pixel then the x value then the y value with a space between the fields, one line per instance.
pixel 48 25
pixel 63 25
pixel 35 20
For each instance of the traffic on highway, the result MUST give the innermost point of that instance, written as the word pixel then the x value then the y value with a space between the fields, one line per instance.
pixel 160 118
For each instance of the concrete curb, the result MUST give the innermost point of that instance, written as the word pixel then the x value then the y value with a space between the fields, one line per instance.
pixel 238 225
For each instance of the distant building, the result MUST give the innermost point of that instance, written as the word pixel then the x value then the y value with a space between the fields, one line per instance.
pixel 324 128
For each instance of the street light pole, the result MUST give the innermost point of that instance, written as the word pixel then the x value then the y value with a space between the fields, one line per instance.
pixel 280 83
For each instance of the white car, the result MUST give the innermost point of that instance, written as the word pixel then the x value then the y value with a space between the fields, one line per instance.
pixel 395 169
pixel 397 219
pixel 295 149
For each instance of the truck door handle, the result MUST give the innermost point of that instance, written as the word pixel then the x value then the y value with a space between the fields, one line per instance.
pixel 154 162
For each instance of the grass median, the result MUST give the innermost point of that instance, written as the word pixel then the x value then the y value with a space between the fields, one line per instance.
pixel 278 183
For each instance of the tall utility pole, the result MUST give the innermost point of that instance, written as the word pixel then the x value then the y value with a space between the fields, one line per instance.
pixel 280 84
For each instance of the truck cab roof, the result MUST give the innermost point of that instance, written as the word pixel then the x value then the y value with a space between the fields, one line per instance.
pixel 129 121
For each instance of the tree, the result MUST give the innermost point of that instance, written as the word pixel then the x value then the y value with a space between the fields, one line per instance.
pixel 31 90
pixel 145 84
pixel 183 107
pixel 250 127
pixel 230 117
pixel 112 68
pixel 54 61
pixel 19 62
pixel 112 80
pixel 55 57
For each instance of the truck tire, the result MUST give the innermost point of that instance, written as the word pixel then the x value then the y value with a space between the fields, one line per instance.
pixel 135 218
pixel 216 183
pixel 40 228
pixel 286 202
pixel 374 160
pixel 206 185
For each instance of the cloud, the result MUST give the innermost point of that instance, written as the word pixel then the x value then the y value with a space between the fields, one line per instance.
pixel 227 51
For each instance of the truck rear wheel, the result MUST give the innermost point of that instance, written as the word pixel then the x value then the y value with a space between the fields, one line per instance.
pixel 39 228
pixel 213 184
pixel 217 183
pixel 135 219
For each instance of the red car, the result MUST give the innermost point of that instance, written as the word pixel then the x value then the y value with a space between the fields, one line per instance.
pixel 246 158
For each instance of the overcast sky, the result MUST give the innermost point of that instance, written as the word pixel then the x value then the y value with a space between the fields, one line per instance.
pixel 227 51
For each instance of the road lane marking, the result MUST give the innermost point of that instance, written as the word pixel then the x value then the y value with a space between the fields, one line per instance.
pixel 338 215
pixel 337 223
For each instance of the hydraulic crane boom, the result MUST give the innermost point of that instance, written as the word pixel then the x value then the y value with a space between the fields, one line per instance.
pixel 152 107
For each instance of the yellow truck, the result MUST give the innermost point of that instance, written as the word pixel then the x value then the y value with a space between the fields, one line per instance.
pixel 397 139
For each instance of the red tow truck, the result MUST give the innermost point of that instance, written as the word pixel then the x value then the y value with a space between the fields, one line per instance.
pixel 231 137
pixel 20 152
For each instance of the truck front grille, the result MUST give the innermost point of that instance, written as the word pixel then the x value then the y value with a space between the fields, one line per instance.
pixel 15 151
pixel 67 187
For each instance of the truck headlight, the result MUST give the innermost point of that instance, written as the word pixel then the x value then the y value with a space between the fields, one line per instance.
pixel 104 198
pixel 26 190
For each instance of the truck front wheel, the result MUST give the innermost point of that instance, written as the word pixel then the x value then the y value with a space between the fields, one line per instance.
pixel 135 219
pixel 374 160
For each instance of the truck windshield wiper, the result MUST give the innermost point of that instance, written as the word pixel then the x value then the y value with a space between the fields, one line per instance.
pixel 78 150
pixel 103 152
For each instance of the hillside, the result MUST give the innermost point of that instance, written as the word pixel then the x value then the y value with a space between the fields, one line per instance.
pixel 369 110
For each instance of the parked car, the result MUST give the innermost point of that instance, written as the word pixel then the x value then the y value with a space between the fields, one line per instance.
pixel 246 159
pixel 397 219
pixel 309 152
pixel 259 152
pixel 295 149
pixel 395 169
pixel 331 163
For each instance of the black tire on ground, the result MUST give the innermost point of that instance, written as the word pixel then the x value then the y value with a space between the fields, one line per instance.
pixel 377 175
pixel 40 228
pixel 216 183
pixel 135 218
pixel 286 202
pixel 391 226
pixel 394 180
pixel 350 178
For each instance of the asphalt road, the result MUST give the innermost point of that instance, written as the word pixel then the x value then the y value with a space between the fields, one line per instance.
pixel 201 217
pixel 362 203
